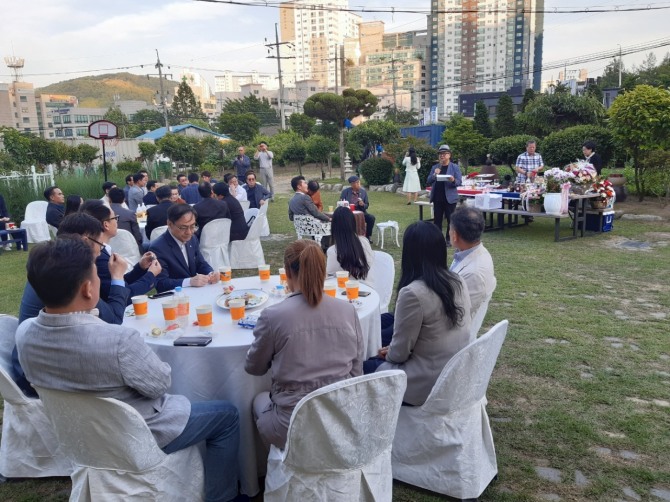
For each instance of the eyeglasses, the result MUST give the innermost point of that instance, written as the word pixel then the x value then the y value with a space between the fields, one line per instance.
pixel 184 228
pixel 102 246
pixel 251 179
pixel 113 218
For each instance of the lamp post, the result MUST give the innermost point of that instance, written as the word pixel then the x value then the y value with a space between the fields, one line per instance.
pixel 620 65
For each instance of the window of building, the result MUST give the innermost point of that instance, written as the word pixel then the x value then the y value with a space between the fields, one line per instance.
pixel 26 120
pixel 68 132
pixel 67 119
pixel 23 99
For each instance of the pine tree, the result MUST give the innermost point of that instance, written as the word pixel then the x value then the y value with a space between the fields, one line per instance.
pixel 482 123
pixel 505 124
pixel 185 106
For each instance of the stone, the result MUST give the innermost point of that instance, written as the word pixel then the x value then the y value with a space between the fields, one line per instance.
pixel 662 403
pixel 337 187
pixel 600 450
pixel 612 338
pixel 586 375
pixel 629 455
pixel 665 357
pixel 550 496
pixel 634 347
pixel 580 479
pixel 550 341
pixel 637 400
pixel 614 435
pixel 658 315
pixel 631 494
pixel 663 373
pixel 661 493
pixel 549 473
pixel 617 345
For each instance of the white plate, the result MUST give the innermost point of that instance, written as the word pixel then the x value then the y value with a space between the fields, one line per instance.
pixel 261 297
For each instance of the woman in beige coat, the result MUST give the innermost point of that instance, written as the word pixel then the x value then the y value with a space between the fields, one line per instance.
pixel 307 341
pixel 432 315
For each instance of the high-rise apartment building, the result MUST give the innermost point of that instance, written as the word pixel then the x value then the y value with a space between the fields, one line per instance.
pixel 317 29
pixel 482 46
pixel 231 82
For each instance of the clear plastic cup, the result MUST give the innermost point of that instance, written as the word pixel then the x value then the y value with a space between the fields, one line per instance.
pixel 225 274
pixel 140 305
pixel 342 277
pixel 170 311
pixel 236 309
pixel 330 288
pixel 204 313
pixel 352 290
pixel 264 272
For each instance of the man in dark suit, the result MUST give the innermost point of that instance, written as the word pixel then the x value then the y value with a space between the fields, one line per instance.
pixel 127 219
pixel 56 207
pixel 355 194
pixel 257 194
pixel 157 215
pixel 301 203
pixel 190 193
pixel 178 251
pixel 150 197
pixel 209 208
pixel 238 224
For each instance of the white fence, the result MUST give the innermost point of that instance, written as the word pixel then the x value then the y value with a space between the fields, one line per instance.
pixel 40 181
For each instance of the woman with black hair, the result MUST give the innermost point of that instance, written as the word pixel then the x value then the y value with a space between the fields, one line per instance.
pixel 72 204
pixel 432 314
pixel 350 251
pixel 412 185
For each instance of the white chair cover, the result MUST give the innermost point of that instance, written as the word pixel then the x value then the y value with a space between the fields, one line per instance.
pixel 214 241
pixel 380 277
pixel 249 252
pixel 114 452
pixel 250 215
pixel 245 204
pixel 35 221
pixel 339 442
pixel 446 444
pixel 28 447
pixel 478 317
pixel 125 244
pixel 157 232
pixel 307 225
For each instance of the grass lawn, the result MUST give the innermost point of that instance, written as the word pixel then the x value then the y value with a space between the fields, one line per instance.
pixel 582 384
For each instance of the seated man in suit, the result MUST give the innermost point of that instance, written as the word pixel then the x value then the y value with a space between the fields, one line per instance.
pixel 127 219
pixel 114 361
pixel 257 194
pixel 157 215
pixel 209 208
pixel 355 194
pixel 472 260
pixel 150 197
pixel 301 203
pixel 178 251
pixel 238 224
pixel 190 193
pixel 56 207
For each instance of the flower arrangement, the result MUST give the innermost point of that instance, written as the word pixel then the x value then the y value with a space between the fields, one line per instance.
pixel 555 177
pixel 604 189
pixel 584 173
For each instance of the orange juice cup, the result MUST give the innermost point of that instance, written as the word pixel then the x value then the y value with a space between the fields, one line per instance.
pixel 236 309
pixel 225 274
pixel 342 278
pixel 140 305
pixel 204 313
pixel 282 275
pixel 170 311
pixel 264 272
pixel 330 209
pixel 352 290
pixel 330 288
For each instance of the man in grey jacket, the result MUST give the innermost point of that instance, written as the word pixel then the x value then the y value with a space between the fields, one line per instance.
pixel 65 348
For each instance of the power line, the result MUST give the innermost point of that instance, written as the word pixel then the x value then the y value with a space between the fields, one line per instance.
pixel 80 71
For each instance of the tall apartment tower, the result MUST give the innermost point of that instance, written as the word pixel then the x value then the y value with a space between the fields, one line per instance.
pixel 317 29
pixel 483 46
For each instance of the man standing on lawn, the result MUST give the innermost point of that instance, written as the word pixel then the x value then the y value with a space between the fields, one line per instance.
pixel 264 158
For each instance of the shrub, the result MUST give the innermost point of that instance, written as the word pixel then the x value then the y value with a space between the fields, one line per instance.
pixel 424 151
pixel 129 166
pixel 376 171
pixel 563 147
pixel 507 149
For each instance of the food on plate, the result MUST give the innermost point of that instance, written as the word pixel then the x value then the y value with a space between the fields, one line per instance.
pixel 249 299
pixel 228 289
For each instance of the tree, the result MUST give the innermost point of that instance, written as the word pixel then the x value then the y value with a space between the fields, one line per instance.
pixel 319 149
pixel 294 151
pixel 185 106
pixel 372 132
pixel 564 146
pixel 403 117
pixel 335 108
pixel 147 152
pixel 239 126
pixel 42 150
pixel 302 124
pixel 640 121
pixel 465 142
pixel 17 145
pixel 116 116
pixel 482 122
pixel 551 112
pixel 251 104
pixel 507 149
pixel 86 154
pixel 528 96
pixel 145 120
pixel 504 124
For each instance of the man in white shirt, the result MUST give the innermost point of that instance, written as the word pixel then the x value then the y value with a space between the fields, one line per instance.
pixel 264 158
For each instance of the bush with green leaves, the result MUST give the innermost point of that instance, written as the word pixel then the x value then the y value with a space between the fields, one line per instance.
pixel 376 171
pixel 565 146
pixel 508 148
pixel 424 151
pixel 129 166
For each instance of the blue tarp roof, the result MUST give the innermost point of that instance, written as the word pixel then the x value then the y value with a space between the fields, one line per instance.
pixel 161 131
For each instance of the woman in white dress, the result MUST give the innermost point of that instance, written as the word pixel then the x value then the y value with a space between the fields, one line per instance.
pixel 350 251
pixel 412 186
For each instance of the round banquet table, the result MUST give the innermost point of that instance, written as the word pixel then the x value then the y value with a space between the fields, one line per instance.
pixel 217 371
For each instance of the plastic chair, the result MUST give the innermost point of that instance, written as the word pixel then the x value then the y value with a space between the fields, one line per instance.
pixel 250 215
pixel 339 440
pixel 394 228
pixel 249 252
pixel 157 232
pixel 125 244
pixel 446 444
pixel 307 225
pixel 35 221
pixel 114 452
pixel 478 317
pixel 214 241
pixel 29 447
pixel 380 277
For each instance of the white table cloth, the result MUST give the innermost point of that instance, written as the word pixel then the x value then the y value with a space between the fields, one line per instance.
pixel 217 370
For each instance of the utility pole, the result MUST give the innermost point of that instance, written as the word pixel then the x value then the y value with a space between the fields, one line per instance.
pixel 620 65
pixel 393 71
pixel 159 66
pixel 337 67
pixel 279 57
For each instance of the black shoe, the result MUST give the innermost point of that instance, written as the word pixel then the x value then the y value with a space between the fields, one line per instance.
pixel 408 203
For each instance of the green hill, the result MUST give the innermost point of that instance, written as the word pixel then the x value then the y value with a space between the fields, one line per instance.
pixel 99 91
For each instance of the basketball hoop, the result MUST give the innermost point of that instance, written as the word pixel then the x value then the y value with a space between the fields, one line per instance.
pixel 103 130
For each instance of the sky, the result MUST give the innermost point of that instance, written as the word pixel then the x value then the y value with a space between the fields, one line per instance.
pixel 67 39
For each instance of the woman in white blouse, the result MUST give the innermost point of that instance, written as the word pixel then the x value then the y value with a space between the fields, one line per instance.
pixel 350 251
pixel 412 185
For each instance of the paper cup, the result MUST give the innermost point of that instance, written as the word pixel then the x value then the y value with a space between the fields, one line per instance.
pixel 140 305
pixel 264 272
pixel 236 309
pixel 225 274
pixel 342 277
pixel 330 209
pixel 170 311
pixel 330 288
pixel 282 275
pixel 352 290
pixel 352 207
pixel 204 313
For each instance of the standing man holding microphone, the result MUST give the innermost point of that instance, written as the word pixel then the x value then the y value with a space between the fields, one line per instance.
pixel 264 158
pixel 444 177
